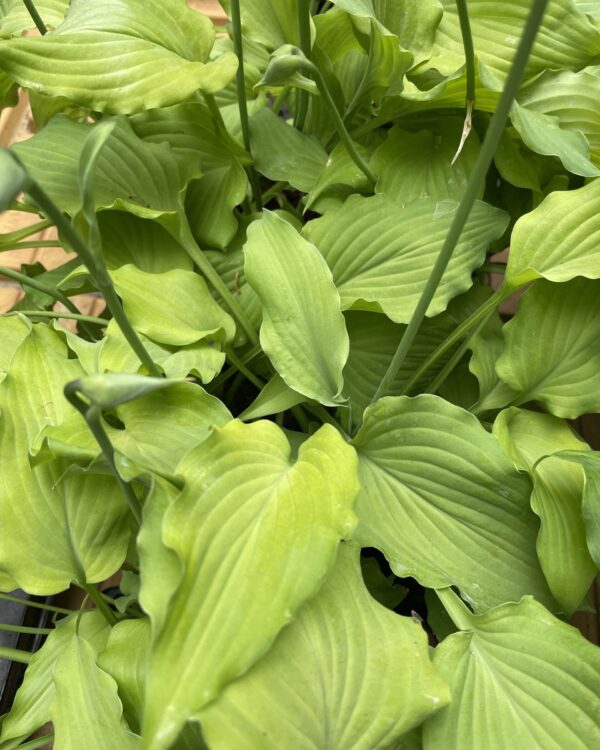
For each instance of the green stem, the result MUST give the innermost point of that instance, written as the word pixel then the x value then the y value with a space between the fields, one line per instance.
pixel 241 367
pixel 238 48
pixel 273 191
pixel 459 332
pixel 493 268
pixel 92 415
pixel 190 246
pixel 467 38
pixel 101 605
pixel 37 285
pixel 457 611
pixel 280 100
pixel 27 231
pixel 486 155
pixel 97 271
pixel 35 17
pixel 448 368
pixel 35 605
pixel 319 411
pixel 214 111
pixel 29 245
pixel 300 416
pixel 339 123
pixel 231 371
pixel 15 654
pixel 24 629
pixel 303 12
pixel 38 742
pixel 54 314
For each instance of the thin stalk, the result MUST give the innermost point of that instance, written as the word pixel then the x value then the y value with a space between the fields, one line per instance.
pixel 38 742
pixel 92 415
pixel 100 603
pixel 457 611
pixel 35 17
pixel 38 286
pixel 15 654
pixel 273 191
pixel 493 268
pixel 467 38
pixel 35 605
pixel 231 371
pixel 459 332
pixel 55 314
pixel 214 110
pixel 27 231
pixel 486 154
pixel 24 629
pixel 319 411
pixel 339 123
pixel 29 244
pixel 97 271
pixel 238 48
pixel 190 246
pixel 281 99
pixel 241 367
pixel 303 12
pixel 300 416
pixel 448 368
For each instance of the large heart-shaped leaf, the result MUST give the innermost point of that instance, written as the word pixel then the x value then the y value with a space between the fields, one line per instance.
pixel 552 348
pixel 419 165
pixel 443 503
pixel 518 678
pixel 255 535
pixel 127 56
pixel 87 711
pixel 558 487
pixel 303 330
pixel 381 252
pixel 559 239
pixel 31 707
pixel 74 526
pixel 149 180
pixel 347 674
pixel 567 38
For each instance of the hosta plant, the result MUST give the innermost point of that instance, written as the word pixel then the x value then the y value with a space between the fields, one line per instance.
pixel 343 496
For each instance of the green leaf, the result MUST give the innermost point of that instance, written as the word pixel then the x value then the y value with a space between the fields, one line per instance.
pixel 303 331
pixel 15 18
pixel 590 511
pixel 557 494
pixel 591 7
pixel 523 678
pixel 567 38
pixel 128 239
pixel 149 181
pixel 443 503
pixel 558 240
pixel 13 178
pixel 413 24
pixel 419 165
pixel 374 339
pixel 13 331
pixel 123 658
pixel 271 24
pixel 87 711
pixel 339 178
pixel 552 349
pixel 381 253
pixel 281 152
pixel 74 526
pixel 140 54
pixel 256 536
pixel 274 398
pixel 543 135
pixel 34 698
pixel 359 686
pixel 185 318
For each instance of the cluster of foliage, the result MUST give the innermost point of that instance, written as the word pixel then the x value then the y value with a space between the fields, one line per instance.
pixel 348 507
